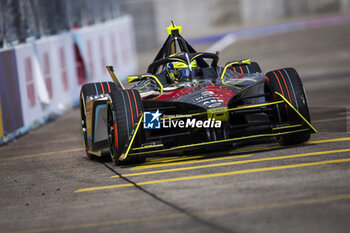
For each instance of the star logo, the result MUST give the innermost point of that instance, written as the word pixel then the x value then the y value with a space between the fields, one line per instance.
pixel 151 120
pixel 156 115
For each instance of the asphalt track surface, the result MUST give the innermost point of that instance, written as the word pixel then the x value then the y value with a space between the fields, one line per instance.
pixel 49 185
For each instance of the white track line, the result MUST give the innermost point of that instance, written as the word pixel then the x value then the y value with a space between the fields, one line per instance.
pixel 223 43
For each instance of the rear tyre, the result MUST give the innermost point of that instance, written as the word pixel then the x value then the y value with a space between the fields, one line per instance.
pixel 247 69
pixel 87 90
pixel 123 113
pixel 288 83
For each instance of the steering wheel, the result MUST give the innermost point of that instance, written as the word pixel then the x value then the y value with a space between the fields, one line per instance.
pixel 198 57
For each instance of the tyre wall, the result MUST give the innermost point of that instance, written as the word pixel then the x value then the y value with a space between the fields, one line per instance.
pixel 41 79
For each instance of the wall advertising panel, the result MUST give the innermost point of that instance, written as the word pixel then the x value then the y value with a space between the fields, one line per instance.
pixel 29 88
pixel 109 44
pixel 10 100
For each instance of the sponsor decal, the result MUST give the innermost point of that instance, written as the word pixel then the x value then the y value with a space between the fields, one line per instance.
pixel 29 82
pixel 152 120
pixel 103 54
pixel 191 123
pixel 47 73
pixel 90 57
pixel 64 76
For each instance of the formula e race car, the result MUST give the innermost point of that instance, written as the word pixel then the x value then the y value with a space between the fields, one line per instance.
pixel 186 102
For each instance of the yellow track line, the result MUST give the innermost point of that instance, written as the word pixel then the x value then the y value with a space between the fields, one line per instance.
pixel 41 154
pixel 100 224
pixel 332 119
pixel 235 151
pixel 329 140
pixel 146 166
pixel 205 176
pixel 171 159
pixel 200 213
pixel 190 162
pixel 177 158
pixel 278 204
pixel 171 164
pixel 236 162
pixel 156 162
pixel 62 140
pixel 39 144
pixel 223 153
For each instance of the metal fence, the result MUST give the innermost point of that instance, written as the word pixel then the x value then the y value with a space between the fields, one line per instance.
pixel 23 20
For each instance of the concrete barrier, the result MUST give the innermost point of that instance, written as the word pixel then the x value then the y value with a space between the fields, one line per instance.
pixel 41 79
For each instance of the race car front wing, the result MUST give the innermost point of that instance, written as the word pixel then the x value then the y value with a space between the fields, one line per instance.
pixel 147 150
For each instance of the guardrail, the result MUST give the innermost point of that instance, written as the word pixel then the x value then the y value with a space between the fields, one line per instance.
pixel 42 79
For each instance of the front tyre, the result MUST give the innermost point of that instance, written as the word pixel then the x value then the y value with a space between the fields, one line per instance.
pixel 252 68
pixel 288 83
pixel 124 111
pixel 87 90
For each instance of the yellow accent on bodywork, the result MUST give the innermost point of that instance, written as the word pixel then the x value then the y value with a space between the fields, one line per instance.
pixel 180 65
pixel 302 117
pixel 245 62
pixel 132 78
pixel 140 77
pixel 255 106
pixel 147 147
pixel 155 78
pixel 287 127
pixel 177 59
pixel 230 109
pixel 114 76
pixel 219 141
pixel 192 59
pixel 212 113
pixel 96 153
pixel 172 28
pixel 219 114
pixel 222 110
pixel 124 155
pixel 183 65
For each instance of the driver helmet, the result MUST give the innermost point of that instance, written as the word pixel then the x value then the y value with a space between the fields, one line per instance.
pixel 179 71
